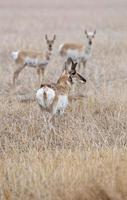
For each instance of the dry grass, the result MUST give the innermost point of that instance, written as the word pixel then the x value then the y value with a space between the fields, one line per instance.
pixel 86 158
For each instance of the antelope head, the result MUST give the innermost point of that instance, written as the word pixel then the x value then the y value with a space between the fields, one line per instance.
pixel 50 42
pixel 90 36
pixel 75 76
pixel 71 76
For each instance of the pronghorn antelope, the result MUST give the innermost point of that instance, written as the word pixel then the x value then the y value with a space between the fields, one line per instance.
pixel 54 97
pixel 38 60
pixel 79 52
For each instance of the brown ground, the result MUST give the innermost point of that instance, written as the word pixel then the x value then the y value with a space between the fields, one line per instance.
pixel 86 158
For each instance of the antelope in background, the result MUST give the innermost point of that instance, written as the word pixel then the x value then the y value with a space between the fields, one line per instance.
pixel 38 60
pixel 53 98
pixel 78 52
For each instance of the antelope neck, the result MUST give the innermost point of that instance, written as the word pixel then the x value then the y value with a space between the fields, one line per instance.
pixel 88 48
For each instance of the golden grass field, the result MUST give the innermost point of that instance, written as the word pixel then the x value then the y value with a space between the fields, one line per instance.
pixel 86 157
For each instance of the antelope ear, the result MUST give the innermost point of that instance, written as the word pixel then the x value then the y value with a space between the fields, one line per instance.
pixel 54 37
pixel 81 78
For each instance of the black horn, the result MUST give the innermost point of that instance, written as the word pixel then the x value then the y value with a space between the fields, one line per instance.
pixel 73 67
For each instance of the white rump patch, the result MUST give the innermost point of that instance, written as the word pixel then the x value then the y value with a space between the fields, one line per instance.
pixel 15 54
pixel 50 95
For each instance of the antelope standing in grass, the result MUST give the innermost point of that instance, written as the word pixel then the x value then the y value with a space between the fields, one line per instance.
pixel 78 52
pixel 38 60
pixel 54 98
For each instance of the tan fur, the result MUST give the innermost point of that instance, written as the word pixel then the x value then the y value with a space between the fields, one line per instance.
pixel 32 54
pixel 63 85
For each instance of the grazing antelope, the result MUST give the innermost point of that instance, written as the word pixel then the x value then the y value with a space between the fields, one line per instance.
pixel 38 60
pixel 79 52
pixel 54 97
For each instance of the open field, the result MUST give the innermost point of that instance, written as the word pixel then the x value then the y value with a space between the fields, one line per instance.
pixel 86 159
